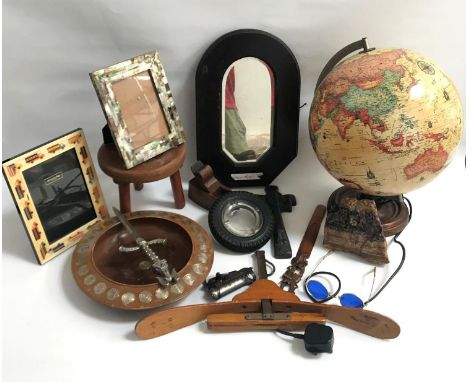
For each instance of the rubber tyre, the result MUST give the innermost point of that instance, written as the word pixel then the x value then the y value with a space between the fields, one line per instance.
pixel 230 240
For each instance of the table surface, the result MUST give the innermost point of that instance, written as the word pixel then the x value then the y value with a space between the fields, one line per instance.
pixel 53 332
pixel 157 168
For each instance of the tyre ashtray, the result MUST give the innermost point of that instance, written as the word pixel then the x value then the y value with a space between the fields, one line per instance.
pixel 241 221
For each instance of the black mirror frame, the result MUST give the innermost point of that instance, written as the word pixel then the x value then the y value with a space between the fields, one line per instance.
pixel 210 72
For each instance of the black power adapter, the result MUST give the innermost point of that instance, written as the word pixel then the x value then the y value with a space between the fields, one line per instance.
pixel 318 338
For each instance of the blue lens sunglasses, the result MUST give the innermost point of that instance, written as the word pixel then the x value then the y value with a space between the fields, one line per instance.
pixel 320 294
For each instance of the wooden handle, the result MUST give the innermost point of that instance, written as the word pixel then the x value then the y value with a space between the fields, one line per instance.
pixel 237 322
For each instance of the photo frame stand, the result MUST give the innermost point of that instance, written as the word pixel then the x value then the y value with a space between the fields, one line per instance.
pixel 165 165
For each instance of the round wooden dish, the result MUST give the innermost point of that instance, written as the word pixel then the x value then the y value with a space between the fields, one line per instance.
pixel 126 280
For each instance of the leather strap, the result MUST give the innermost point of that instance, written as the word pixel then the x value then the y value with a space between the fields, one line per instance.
pixel 295 271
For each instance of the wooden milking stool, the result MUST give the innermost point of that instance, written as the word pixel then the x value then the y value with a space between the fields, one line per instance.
pixel 164 165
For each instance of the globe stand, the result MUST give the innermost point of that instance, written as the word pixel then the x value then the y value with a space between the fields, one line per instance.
pixel 392 210
pixel 359 223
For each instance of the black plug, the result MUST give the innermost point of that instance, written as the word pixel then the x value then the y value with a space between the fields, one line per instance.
pixel 318 338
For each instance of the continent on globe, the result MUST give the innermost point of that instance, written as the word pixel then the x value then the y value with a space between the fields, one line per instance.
pixel 429 160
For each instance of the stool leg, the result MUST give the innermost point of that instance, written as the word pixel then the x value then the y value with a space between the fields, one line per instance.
pixel 124 197
pixel 138 186
pixel 177 190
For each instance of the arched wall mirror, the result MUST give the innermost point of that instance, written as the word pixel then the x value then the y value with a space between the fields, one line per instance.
pixel 247 90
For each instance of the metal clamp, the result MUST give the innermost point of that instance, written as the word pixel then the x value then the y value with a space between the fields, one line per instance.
pixel 267 313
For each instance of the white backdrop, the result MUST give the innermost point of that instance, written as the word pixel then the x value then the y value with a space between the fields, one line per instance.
pixel 53 332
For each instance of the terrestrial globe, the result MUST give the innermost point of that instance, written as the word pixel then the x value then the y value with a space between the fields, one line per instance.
pixel 385 121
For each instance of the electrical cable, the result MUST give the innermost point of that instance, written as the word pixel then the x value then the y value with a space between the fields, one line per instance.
pixel 403 254
pixel 295 335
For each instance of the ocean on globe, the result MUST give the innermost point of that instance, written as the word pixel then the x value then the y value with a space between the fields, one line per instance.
pixel 385 122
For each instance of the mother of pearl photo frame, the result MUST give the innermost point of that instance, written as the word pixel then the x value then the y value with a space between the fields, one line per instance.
pixel 139 108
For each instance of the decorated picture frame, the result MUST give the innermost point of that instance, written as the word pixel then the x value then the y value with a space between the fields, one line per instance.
pixel 139 108
pixel 56 192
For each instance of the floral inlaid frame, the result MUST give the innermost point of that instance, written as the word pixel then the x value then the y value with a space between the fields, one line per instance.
pixel 56 192
pixel 108 83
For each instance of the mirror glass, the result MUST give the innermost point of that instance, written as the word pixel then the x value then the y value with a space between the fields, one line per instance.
pixel 248 98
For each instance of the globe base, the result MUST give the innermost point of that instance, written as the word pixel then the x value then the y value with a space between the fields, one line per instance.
pixel 392 210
